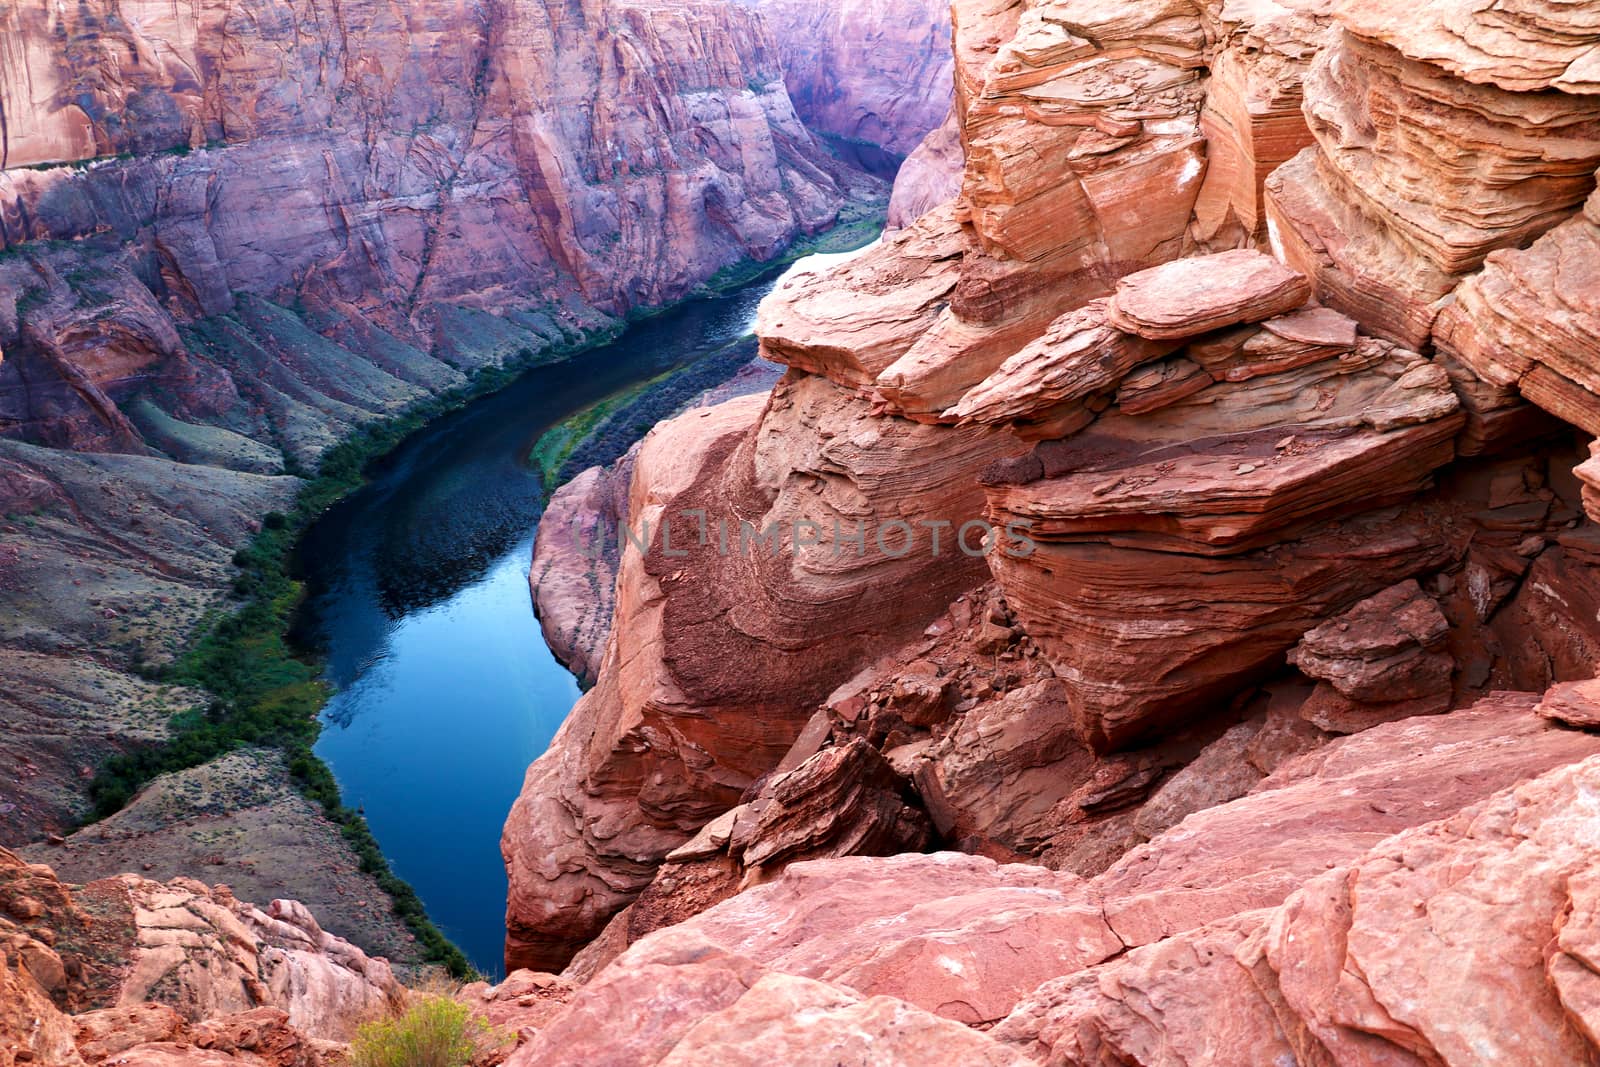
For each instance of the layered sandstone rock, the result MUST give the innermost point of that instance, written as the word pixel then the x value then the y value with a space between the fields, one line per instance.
pixel 695 124
pixel 128 940
pixel 176 972
pixel 1081 130
pixel 1387 233
pixel 1383 659
pixel 1194 942
pixel 764 586
pixel 1226 453
pixel 1332 975
pixel 1530 320
pixel 1225 460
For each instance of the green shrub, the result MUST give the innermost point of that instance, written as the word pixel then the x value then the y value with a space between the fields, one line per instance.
pixel 434 1032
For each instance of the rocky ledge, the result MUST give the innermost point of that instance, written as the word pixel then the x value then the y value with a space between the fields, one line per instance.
pixel 1258 729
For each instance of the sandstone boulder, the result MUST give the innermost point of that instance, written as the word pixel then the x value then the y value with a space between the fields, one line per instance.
pixel 1189 297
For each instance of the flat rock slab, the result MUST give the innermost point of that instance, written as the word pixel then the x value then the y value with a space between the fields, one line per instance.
pixel 1189 297
pixel 1574 703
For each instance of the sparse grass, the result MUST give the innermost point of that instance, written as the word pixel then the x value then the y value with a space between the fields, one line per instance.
pixel 435 1031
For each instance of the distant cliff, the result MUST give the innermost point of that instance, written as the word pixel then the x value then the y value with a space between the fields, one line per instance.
pixel 233 231
pixel 866 71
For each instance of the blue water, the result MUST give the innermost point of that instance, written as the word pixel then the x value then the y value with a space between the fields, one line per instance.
pixel 418 598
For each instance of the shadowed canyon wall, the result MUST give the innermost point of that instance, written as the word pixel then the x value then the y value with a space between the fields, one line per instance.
pixel 865 71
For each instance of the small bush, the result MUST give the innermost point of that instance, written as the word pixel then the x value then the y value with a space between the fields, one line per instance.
pixel 434 1032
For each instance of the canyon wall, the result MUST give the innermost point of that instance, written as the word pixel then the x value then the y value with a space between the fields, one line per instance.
pixel 233 232
pixel 399 174
pixel 865 71
pixel 1271 329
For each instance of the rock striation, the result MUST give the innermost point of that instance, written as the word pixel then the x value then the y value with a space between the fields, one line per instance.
pixel 1386 232
pixel 128 970
pixel 1271 426
pixel 1226 932
pixel 1246 348
pixel 867 73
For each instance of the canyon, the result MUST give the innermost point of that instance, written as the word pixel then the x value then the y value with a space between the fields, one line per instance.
pixel 236 237
pixel 1270 325
pixel 1256 342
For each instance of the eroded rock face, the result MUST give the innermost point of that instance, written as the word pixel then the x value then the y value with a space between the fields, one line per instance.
pixel 930 175
pixel 1530 319
pixel 1269 428
pixel 395 177
pixel 1383 659
pixel 1368 214
pixel 865 71
pixel 743 632
pixel 1212 458
pixel 173 973
pixel 1331 975
pixel 1223 933
pixel 289 114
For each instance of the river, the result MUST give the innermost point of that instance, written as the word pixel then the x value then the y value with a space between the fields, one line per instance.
pixel 418 600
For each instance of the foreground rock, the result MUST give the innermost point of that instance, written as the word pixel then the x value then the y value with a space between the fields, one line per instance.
pixel 1217 931
pixel 152 972
pixel 1495 898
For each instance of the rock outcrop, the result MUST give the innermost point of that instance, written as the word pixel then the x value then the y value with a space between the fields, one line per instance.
pixel 1226 933
pixel 1384 230
pixel 575 560
pixel 1183 307
pixel 134 971
pixel 759 640
pixel 447 111
pixel 1383 659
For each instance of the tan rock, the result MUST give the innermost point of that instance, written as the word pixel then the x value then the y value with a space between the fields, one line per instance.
pixel 1523 46
pixel 896 289
pixel 1530 321
pixel 1189 297
pixel 786 1019
pixel 1574 703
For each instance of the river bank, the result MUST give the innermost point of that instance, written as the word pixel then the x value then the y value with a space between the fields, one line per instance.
pixel 417 602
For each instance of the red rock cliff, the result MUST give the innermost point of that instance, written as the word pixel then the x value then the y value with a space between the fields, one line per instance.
pixel 1222 317
pixel 865 70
